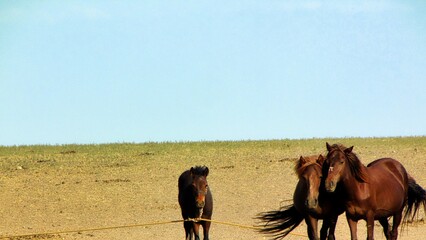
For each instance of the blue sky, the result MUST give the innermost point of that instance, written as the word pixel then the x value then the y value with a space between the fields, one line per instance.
pixel 138 71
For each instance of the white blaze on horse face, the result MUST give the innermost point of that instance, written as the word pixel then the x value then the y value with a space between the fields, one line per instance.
pixel 331 169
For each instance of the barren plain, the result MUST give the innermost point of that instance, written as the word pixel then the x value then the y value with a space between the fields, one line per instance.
pixel 51 189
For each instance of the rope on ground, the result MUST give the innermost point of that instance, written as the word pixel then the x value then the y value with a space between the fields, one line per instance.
pixel 91 229
pixel 237 225
pixel 221 222
pixel 137 225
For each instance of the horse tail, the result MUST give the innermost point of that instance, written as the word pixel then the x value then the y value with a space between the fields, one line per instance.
pixel 281 222
pixel 416 197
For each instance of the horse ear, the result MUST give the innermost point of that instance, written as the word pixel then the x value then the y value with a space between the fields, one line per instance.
pixel 320 160
pixel 328 146
pixel 191 171
pixel 302 160
pixel 206 171
pixel 349 150
pixel 300 163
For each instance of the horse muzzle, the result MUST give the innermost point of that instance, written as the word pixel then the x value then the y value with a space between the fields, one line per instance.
pixel 200 204
pixel 330 186
pixel 311 203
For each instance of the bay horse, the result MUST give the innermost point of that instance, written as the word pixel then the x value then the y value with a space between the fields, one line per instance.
pixel 196 201
pixel 310 203
pixel 376 192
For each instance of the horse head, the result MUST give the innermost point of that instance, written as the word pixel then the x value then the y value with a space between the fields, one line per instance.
pixel 310 174
pixel 200 185
pixel 337 161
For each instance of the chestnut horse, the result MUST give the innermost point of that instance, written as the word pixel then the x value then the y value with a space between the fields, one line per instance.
pixel 376 192
pixel 310 203
pixel 196 201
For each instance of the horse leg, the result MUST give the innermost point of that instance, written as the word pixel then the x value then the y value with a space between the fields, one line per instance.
pixel 312 228
pixel 396 221
pixel 188 230
pixel 370 226
pixel 386 230
pixel 206 228
pixel 353 227
pixel 196 231
pixel 333 222
pixel 324 229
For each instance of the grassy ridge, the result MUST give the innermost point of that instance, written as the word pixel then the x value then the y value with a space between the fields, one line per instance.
pixel 197 152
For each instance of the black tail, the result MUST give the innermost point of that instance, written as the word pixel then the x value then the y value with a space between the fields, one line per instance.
pixel 416 197
pixel 280 223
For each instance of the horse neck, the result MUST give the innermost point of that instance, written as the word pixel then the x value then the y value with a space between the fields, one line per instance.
pixel 351 184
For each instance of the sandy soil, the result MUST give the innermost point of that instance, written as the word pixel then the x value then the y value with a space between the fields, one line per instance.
pixel 56 195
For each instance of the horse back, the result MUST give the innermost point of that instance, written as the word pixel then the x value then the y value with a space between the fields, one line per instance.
pixel 184 180
pixel 387 169
pixel 185 192
pixel 208 208
pixel 388 182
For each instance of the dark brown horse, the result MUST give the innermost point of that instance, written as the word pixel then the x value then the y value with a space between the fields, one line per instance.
pixel 376 192
pixel 196 201
pixel 310 203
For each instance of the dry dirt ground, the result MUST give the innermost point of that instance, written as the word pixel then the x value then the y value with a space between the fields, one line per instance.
pixel 76 190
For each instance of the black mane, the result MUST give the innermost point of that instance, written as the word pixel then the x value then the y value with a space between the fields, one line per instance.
pixel 199 170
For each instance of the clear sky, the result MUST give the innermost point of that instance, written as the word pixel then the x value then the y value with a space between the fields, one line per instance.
pixel 137 71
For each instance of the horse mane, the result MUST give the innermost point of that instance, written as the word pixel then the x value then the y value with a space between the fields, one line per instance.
pixel 305 162
pixel 199 170
pixel 355 165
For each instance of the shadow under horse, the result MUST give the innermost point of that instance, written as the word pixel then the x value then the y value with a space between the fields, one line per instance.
pixel 380 190
pixel 310 202
pixel 196 201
